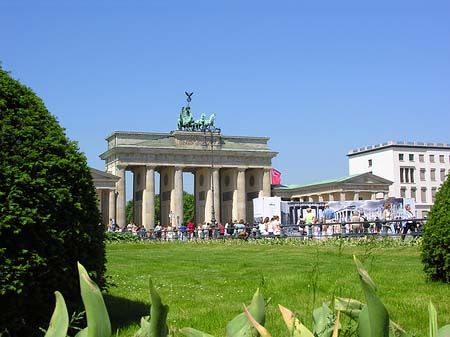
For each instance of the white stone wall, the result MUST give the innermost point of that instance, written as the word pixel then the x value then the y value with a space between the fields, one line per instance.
pixel 386 163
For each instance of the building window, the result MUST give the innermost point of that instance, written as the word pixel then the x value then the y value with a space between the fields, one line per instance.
pixel 421 158
pixel 406 174
pixel 413 193
pixel 441 158
pixel 403 192
pixel 433 174
pixel 370 162
pixel 423 194
pixel 431 158
pixel 400 156
pixel 442 174
pixel 433 194
pixel 422 174
pixel 411 157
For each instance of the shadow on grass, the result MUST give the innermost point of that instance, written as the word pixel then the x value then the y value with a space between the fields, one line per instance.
pixel 123 312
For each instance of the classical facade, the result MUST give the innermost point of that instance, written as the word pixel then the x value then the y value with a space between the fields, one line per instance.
pixel 229 171
pixel 105 185
pixel 416 169
pixel 364 186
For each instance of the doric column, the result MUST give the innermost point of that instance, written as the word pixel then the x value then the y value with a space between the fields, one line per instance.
pixel 239 202
pixel 121 198
pixel 148 199
pixel 112 205
pixel 331 197
pixel 266 184
pixel 177 196
pixel 342 196
pixel 216 183
pixel 356 196
pixel 320 197
pixel 373 196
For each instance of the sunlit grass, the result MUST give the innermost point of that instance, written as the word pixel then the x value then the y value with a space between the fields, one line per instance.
pixel 206 283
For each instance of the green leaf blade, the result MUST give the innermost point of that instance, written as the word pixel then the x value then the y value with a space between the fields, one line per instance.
pixel 59 323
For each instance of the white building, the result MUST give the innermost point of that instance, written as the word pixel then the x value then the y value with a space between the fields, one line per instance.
pixel 416 169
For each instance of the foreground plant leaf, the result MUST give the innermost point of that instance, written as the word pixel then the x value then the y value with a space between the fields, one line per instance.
pixel 190 332
pixel 352 308
pixel 240 325
pixel 98 324
pixel 295 327
pixel 323 319
pixel 154 325
pixel 432 316
pixel 262 330
pixel 59 323
pixel 434 331
pixel 444 331
pixel 349 306
pixel 373 318
pixel 337 324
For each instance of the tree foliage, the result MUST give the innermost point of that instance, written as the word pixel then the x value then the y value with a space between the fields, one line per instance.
pixel 436 237
pixel 49 218
pixel 130 211
pixel 189 210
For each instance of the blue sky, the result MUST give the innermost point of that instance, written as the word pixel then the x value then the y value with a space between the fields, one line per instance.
pixel 318 77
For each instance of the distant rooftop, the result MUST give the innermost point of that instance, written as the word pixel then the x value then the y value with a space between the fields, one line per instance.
pixel 328 181
pixel 393 143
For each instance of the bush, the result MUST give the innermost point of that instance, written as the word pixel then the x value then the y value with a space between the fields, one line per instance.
pixel 48 213
pixel 436 237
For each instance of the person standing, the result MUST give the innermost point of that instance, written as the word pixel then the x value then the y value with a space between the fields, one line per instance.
pixel 310 219
pixel 327 218
pixel 409 224
pixel 387 218
pixel 356 223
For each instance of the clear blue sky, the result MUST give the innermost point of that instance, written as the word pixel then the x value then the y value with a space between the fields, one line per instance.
pixel 318 77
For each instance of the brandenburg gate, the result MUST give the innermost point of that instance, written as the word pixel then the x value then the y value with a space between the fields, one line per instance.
pixel 229 172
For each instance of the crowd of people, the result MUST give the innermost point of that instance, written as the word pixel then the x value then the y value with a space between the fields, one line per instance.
pixel 309 226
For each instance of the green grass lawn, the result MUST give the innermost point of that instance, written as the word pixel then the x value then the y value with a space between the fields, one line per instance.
pixel 206 283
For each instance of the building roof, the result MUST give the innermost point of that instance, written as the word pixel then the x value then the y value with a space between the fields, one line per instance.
pixel 399 144
pixel 322 182
pixel 367 178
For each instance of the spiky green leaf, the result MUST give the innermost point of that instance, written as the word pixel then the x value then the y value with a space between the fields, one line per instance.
pixel 190 332
pixel 433 324
pixel 98 323
pixel 374 318
pixel 240 326
pixel 324 321
pixel 444 331
pixel 295 327
pixel 59 323
pixel 154 325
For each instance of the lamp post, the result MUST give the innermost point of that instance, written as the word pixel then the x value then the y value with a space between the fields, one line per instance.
pixel 213 131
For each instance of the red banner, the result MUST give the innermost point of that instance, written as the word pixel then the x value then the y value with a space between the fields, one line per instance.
pixel 276 177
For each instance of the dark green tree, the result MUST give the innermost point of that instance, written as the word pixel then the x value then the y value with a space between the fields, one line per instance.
pixel 157 209
pixel 188 207
pixel 130 211
pixel 49 218
pixel 436 237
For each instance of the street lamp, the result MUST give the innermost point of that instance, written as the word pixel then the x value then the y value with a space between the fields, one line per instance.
pixel 213 131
